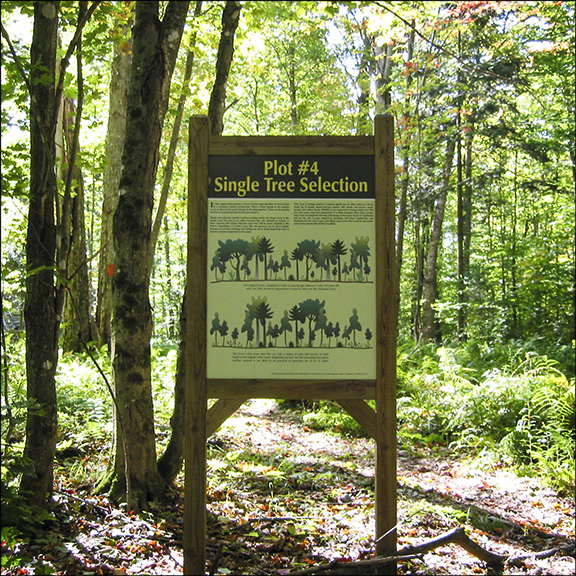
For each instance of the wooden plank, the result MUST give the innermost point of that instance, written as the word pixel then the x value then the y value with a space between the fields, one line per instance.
pixel 194 540
pixel 362 413
pixel 386 483
pixel 220 411
pixel 292 389
pixel 287 145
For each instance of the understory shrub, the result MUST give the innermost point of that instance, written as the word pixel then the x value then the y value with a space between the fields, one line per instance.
pixel 523 414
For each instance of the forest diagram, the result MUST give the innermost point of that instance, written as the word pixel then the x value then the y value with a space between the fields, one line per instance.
pixel 309 260
pixel 306 324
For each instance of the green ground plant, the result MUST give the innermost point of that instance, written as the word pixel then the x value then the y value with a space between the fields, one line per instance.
pixel 519 413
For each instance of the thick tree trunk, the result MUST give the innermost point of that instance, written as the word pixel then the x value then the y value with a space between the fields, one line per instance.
pixel 41 307
pixel 430 327
pixel 120 76
pixel 171 461
pixel 155 47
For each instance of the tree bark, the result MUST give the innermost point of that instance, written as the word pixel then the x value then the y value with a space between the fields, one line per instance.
pixel 120 76
pixel 217 106
pixel 430 327
pixel 41 307
pixel 77 328
pixel 171 460
pixel 169 167
pixel 170 463
pixel 405 180
pixel 365 73
pixel 155 47
pixel 464 229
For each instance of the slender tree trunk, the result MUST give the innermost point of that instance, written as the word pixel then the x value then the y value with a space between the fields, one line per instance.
pixel 171 460
pixel 365 72
pixel 461 296
pixel 41 308
pixel 119 79
pixel 155 47
pixel 383 71
pixel 405 181
pixel 217 106
pixel 430 328
pixel 170 463
pixel 77 327
pixel 464 230
pixel 169 167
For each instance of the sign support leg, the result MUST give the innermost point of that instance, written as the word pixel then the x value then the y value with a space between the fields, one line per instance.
pixel 386 453
pixel 196 385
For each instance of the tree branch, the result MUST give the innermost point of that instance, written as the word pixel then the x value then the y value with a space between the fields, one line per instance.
pixel 15 57
pixel 469 67
pixel 456 536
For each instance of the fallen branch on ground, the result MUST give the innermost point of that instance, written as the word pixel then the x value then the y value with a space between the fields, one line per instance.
pixel 457 536
pixel 358 567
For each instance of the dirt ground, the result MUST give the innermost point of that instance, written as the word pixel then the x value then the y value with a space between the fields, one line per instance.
pixel 283 498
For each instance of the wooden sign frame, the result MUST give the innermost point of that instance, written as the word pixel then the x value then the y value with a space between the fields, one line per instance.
pixel 201 422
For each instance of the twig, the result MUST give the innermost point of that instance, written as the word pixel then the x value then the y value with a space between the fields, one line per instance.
pixel 270 519
pixel 100 509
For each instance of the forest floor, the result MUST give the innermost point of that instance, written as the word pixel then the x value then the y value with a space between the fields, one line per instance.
pixel 283 497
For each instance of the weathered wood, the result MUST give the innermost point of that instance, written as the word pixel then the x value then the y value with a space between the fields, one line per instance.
pixel 221 411
pixel 286 145
pixel 386 334
pixel 359 567
pixel 362 413
pixel 194 541
pixel 349 393
pixel 292 389
pixel 456 536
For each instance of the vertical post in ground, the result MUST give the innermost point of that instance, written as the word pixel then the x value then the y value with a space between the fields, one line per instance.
pixel 196 387
pixel 386 452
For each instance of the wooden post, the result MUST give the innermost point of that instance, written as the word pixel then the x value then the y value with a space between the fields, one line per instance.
pixel 232 392
pixel 386 483
pixel 196 389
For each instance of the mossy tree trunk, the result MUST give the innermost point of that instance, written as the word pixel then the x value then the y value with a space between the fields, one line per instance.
pixel 171 461
pixel 155 47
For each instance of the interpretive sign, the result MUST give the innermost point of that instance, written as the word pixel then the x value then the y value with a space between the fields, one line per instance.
pixel 291 257
pixel 291 293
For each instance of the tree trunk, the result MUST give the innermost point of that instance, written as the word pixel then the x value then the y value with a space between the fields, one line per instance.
pixel 365 72
pixel 41 307
pixel 169 167
pixel 217 106
pixel 383 70
pixel 430 327
pixel 170 463
pixel 77 328
pixel 155 47
pixel 405 181
pixel 464 229
pixel 120 76
pixel 171 460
